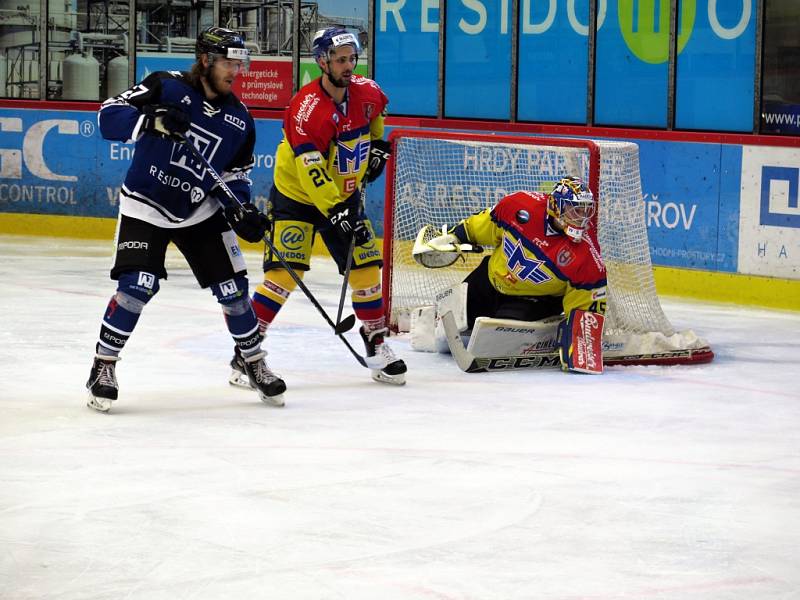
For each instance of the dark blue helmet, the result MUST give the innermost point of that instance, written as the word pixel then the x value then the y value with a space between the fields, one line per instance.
pixel 222 42
pixel 326 41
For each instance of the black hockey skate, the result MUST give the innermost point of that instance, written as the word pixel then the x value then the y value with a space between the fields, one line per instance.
pixel 102 384
pixel 238 377
pixel 259 377
pixel 385 366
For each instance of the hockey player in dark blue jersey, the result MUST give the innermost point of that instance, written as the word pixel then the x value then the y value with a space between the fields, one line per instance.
pixel 168 196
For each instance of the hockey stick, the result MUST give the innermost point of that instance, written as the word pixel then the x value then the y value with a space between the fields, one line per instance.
pixel 340 325
pixel 349 266
pixel 227 191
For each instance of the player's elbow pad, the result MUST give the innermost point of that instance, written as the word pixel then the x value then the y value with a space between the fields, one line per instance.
pixel 580 342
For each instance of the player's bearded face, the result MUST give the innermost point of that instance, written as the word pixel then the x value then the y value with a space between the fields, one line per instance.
pixel 221 73
pixel 340 67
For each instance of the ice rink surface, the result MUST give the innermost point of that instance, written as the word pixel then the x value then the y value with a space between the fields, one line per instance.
pixel 644 483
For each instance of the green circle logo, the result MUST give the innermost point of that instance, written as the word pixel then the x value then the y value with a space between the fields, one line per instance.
pixel 645 27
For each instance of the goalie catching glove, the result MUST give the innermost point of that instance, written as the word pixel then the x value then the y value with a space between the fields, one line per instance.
pixel 442 250
pixel 167 121
pixel 247 221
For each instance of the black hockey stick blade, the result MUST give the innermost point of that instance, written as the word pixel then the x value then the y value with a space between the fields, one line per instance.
pixel 345 325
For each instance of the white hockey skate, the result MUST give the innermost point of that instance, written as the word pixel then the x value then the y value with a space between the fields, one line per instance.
pixel 102 383
pixel 253 373
pixel 385 366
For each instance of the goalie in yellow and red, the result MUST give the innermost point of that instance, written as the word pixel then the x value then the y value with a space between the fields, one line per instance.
pixel 538 299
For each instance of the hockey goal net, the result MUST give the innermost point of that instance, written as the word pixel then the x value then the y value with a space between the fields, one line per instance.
pixel 440 178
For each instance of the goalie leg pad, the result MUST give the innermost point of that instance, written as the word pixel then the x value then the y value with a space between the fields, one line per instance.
pixel 580 337
pixel 454 299
pixel 423 329
pixel 505 337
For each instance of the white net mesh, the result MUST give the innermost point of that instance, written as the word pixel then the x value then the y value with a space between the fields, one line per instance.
pixel 439 181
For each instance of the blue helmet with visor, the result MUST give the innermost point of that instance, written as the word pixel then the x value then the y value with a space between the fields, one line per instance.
pixel 327 41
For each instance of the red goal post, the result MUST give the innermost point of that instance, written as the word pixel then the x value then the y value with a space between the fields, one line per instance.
pixel 439 178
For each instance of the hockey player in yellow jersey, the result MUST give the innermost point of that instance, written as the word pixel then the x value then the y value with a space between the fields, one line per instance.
pixel 546 261
pixel 332 141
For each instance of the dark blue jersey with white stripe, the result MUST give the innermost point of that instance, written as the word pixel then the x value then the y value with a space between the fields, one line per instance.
pixel 165 185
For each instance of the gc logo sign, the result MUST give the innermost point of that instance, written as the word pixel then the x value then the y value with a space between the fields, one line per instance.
pixel 32 148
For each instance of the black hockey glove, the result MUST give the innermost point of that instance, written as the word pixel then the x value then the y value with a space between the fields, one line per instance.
pixel 247 221
pixel 379 152
pixel 167 121
pixel 348 224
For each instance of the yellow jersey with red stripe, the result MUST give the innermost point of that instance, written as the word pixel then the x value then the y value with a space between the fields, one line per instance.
pixel 531 258
pixel 324 152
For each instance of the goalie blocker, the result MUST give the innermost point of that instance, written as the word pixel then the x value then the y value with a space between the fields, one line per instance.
pixel 580 342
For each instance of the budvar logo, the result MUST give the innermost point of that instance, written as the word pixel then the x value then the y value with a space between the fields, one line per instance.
pixel 304 112
pixel 779 196
pixel 33 148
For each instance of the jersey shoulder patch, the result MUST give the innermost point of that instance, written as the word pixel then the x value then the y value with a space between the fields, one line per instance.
pixel 366 82
pixel 520 208
pixel 366 90
pixel 580 262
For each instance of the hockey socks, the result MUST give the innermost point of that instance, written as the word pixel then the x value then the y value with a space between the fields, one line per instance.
pixel 271 295
pixel 134 290
pixel 121 316
pixel 367 297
